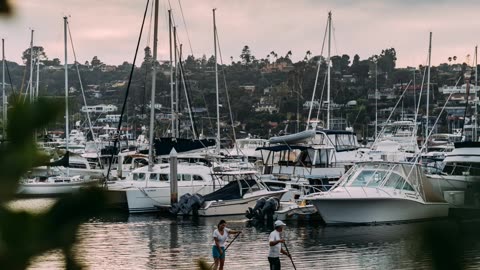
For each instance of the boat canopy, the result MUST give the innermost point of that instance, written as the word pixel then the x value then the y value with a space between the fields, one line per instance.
pixel 283 147
pixel 232 190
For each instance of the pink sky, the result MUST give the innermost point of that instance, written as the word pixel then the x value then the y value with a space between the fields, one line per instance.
pixel 109 28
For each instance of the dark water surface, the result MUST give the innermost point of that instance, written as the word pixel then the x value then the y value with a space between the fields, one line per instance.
pixel 156 242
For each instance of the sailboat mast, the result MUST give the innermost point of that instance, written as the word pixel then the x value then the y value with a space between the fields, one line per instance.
pixel 176 79
pixel 30 81
pixel 216 80
pixel 154 79
pixel 4 101
pixel 65 21
pixel 328 68
pixel 171 72
pixel 428 87
pixel 476 96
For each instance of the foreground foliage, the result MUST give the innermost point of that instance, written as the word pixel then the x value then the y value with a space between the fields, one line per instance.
pixel 24 235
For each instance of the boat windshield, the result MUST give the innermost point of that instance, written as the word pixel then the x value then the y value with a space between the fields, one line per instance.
pixel 368 178
pixel 381 176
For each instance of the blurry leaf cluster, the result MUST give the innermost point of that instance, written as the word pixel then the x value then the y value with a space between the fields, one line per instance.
pixel 5 7
pixel 24 235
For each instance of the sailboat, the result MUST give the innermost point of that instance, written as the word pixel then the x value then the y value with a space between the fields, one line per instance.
pixel 318 152
pixel 58 182
pixel 164 145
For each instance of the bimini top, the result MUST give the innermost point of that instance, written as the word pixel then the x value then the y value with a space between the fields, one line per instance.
pixel 342 132
pixel 282 147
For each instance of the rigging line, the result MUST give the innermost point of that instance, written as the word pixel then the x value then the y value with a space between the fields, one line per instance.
pixel 185 24
pixel 391 114
pixel 420 97
pixel 226 88
pixel 321 96
pixel 208 113
pixel 126 95
pixel 187 96
pixel 316 76
pixel 83 92
pixel 417 157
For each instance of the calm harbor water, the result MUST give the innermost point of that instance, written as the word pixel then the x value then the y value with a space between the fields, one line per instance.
pixel 158 242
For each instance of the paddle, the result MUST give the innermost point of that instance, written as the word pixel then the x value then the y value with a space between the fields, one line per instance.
pixel 290 255
pixel 227 247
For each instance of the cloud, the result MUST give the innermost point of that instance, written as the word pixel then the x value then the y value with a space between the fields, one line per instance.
pixel 110 28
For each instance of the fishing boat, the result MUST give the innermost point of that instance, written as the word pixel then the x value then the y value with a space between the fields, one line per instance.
pixel 377 191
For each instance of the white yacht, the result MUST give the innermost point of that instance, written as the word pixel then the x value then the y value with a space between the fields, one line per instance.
pixel 376 191
pixel 146 191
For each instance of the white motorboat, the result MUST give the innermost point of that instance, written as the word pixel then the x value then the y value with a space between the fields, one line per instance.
pixel 461 169
pixel 53 185
pixel 376 191
pixel 242 191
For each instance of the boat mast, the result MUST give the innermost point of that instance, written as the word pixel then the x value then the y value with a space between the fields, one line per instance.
pixel 216 80
pixel 4 102
pixel 154 78
pixel 30 81
pixel 376 99
pixel 476 96
pixel 428 87
pixel 175 54
pixel 171 72
pixel 328 68
pixel 65 21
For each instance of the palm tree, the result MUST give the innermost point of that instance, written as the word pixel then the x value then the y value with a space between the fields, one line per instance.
pixel 289 53
pixel 307 55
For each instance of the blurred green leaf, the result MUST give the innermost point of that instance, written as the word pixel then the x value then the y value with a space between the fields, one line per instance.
pixel 24 235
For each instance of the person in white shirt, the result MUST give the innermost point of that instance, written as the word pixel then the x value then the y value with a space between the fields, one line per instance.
pixel 220 235
pixel 275 241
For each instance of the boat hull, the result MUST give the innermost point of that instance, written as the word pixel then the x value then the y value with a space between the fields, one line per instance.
pixel 376 210
pixel 149 199
pixel 235 207
pixel 52 189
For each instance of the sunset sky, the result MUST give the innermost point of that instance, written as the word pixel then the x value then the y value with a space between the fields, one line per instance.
pixel 109 28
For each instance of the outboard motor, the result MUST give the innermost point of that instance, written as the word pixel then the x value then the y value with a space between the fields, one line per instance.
pixel 251 213
pixel 271 205
pixel 175 208
pixel 193 204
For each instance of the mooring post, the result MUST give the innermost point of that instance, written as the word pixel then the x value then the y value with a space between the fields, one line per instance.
pixel 173 177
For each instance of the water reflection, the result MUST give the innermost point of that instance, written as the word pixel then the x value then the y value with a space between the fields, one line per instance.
pixel 156 242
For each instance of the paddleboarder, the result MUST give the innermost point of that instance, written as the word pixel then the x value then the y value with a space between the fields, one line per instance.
pixel 275 242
